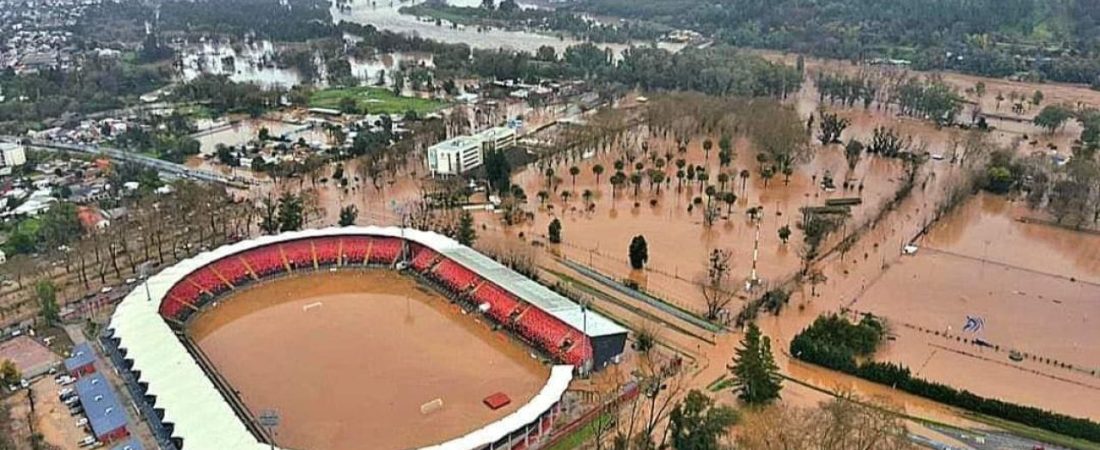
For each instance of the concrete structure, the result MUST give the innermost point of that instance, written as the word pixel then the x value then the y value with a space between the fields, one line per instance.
pixel 464 153
pixel 12 155
pixel 82 361
pixel 142 333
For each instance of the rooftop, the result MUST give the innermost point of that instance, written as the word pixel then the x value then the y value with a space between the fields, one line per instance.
pixel 82 356
pixel 131 444
pixel 100 404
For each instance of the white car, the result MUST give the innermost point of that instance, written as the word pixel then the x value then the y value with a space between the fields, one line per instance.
pixel 106 289
pixel 131 280
pixel 65 392
pixel 81 422
pixel 71 400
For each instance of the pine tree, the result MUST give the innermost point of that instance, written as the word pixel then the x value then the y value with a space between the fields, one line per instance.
pixel 466 233
pixel 756 376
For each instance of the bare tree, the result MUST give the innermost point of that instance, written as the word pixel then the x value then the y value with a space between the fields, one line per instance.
pixel 717 285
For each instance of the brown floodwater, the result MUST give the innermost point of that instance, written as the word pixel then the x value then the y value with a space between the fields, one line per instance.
pixel 348 358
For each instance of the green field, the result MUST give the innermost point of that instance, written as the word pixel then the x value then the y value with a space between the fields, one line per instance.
pixel 372 100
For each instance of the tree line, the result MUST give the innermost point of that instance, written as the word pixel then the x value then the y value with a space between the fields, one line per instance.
pixel 1031 37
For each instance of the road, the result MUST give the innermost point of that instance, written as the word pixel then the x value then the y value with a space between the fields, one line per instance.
pixel 179 170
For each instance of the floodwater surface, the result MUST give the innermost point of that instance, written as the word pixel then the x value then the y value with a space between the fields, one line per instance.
pixel 348 359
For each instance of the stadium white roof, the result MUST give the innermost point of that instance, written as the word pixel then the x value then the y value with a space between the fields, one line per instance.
pixel 206 421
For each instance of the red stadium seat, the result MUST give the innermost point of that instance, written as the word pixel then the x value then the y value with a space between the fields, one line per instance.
pixel 208 281
pixel 384 250
pixel 501 303
pixel 233 269
pixel 455 277
pixel 355 248
pixel 299 253
pixel 265 260
pixel 423 258
pixel 327 250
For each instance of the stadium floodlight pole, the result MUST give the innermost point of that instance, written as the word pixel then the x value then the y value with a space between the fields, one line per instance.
pixel 143 271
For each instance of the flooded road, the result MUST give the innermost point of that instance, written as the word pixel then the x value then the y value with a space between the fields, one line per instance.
pixel 348 358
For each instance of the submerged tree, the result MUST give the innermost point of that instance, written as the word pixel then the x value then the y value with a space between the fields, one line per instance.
pixel 554 231
pixel 639 252
pixel 718 287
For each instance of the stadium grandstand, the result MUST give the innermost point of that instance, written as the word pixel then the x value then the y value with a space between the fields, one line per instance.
pixel 192 409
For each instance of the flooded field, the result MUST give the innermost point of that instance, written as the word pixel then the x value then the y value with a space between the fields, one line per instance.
pixel 240 133
pixel 364 351
pixel 1032 288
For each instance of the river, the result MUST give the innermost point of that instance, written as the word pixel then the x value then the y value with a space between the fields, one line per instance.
pixel 384 15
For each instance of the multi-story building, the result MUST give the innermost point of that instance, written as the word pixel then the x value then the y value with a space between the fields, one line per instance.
pixel 464 153
pixel 12 155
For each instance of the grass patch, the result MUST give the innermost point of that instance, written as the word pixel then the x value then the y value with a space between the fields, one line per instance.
pixel 582 435
pixel 372 100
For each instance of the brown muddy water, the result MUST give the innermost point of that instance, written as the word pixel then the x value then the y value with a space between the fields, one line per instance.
pixel 348 358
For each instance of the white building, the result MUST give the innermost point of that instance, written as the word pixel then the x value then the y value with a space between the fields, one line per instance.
pixel 455 156
pixel 464 153
pixel 12 155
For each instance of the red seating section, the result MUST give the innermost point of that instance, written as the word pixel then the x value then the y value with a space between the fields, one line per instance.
pixel 233 269
pixel 299 253
pixel 384 250
pixel 265 260
pixel 542 329
pixel 327 250
pixel 355 249
pixel 537 326
pixel 454 276
pixel 422 258
pixel 501 303
pixel 208 281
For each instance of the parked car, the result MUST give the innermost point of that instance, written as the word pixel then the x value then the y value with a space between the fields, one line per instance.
pixel 87 441
pixel 81 421
pixel 71 400
pixel 65 392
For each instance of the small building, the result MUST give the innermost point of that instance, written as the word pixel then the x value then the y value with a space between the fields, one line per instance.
pixel 105 414
pixel 12 155
pixel 82 361
pixel 455 156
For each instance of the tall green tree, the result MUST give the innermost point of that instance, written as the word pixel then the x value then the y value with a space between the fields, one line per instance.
pixel 756 377
pixel 46 292
pixel 639 252
pixel 291 212
pixel 466 233
pixel 269 216
pixel 697 423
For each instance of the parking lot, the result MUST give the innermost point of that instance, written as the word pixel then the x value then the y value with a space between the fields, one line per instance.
pixel 55 420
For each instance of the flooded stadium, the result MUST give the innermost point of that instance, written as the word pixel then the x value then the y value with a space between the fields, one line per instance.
pixel 349 358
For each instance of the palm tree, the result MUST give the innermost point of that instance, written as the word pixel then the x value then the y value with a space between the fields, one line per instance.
pixel 619 164
pixel 723 178
pixel 744 177
pixel 657 176
pixel 636 180
pixel 549 177
pixel 543 195
pixel 638 166
pixel 680 179
pixel 587 196
pixel 573 172
pixel 730 198
pixel 597 170
pixel 565 196
pixel 707 145
pixel 767 172
pixel 617 181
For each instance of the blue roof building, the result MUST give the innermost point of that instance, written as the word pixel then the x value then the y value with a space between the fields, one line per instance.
pixel 82 362
pixel 105 413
